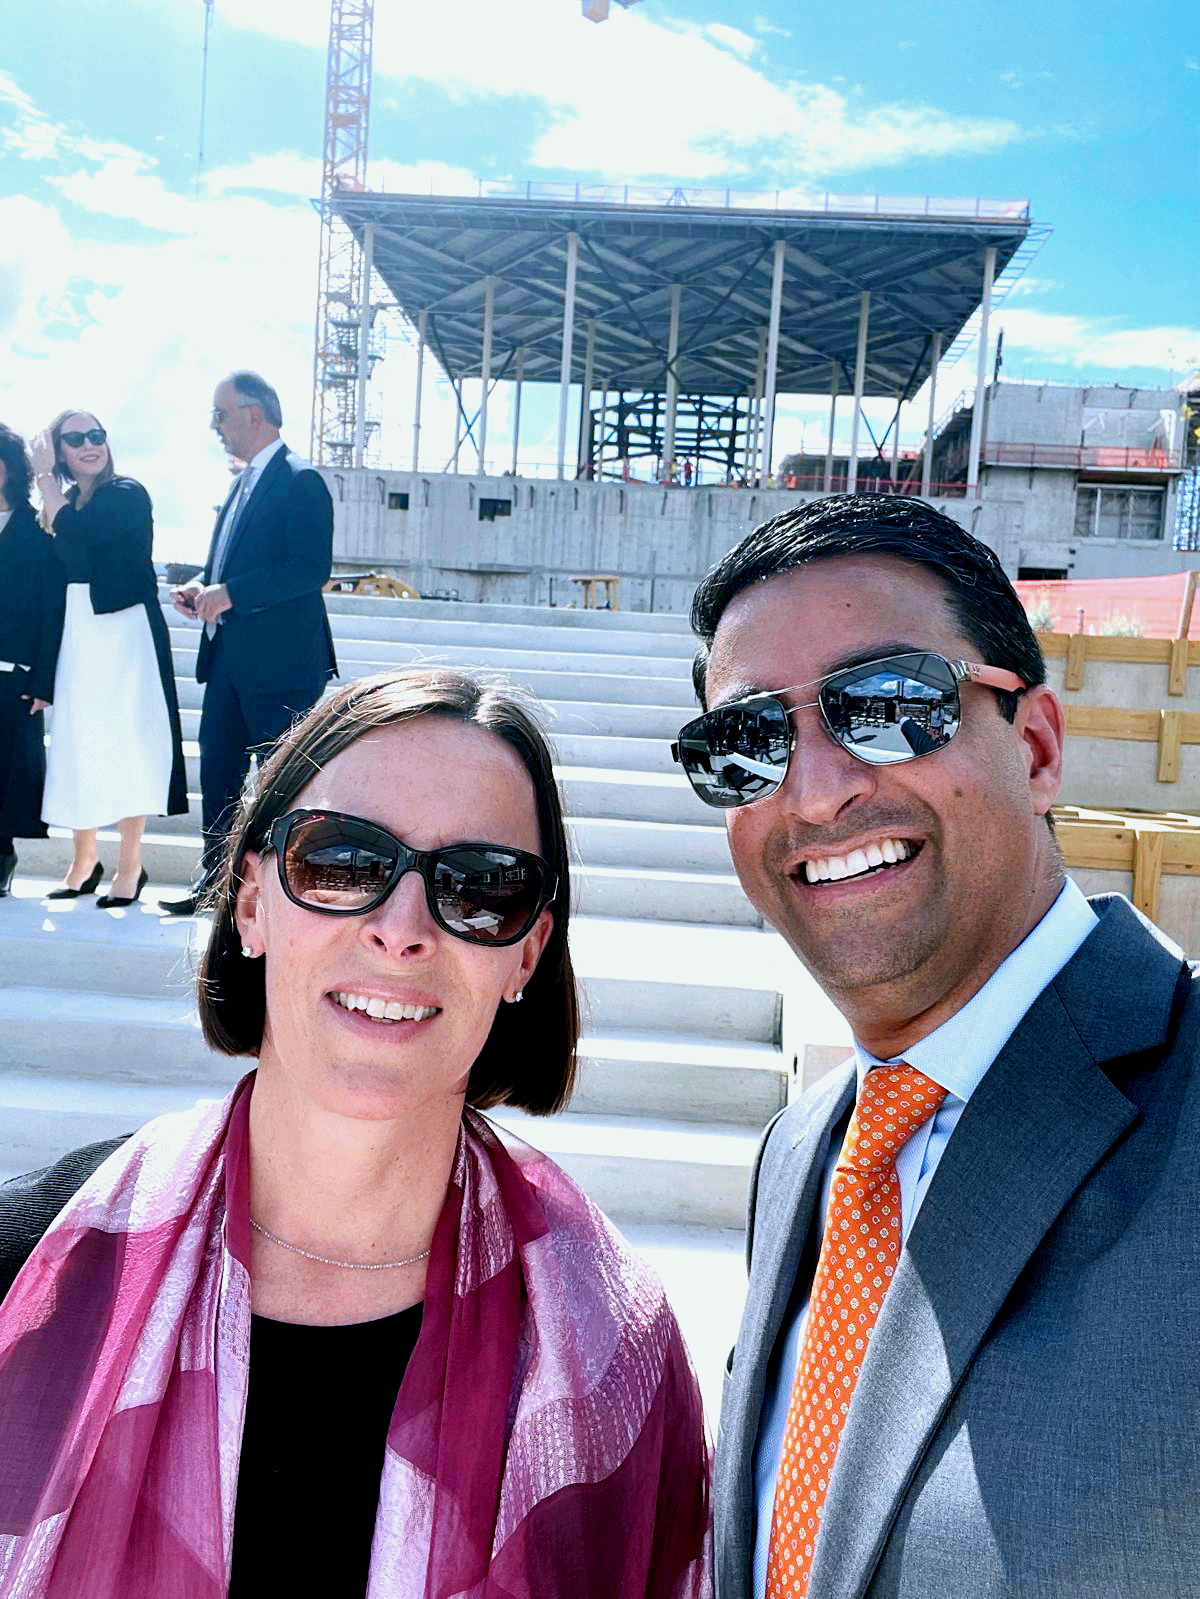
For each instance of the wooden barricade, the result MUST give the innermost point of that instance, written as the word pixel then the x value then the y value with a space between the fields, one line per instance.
pixel 1153 858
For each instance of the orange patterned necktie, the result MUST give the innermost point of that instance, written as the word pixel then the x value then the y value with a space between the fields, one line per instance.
pixel 859 1253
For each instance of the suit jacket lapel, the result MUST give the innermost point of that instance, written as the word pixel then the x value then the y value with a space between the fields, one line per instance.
pixel 234 489
pixel 787 1194
pixel 1040 1121
pixel 254 503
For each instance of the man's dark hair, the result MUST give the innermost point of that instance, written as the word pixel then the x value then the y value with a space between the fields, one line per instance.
pixel 528 1059
pixel 256 390
pixel 980 596
pixel 15 459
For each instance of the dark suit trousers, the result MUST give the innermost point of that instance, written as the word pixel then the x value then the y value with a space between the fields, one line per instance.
pixel 237 721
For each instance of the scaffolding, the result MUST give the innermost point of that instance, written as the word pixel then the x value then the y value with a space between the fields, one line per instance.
pixel 347 344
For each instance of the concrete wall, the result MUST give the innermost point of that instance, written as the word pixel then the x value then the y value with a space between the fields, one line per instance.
pixel 660 541
pixel 1044 413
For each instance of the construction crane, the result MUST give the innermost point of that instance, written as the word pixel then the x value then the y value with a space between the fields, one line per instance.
pixel 346 348
pixel 208 17
pixel 344 310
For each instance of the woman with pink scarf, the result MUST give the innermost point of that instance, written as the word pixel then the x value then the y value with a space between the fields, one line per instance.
pixel 337 1333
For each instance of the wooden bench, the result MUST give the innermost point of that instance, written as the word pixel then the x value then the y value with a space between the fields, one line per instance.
pixel 591 582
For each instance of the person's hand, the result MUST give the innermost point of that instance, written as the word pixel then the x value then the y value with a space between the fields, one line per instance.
pixel 38 705
pixel 41 452
pixel 184 597
pixel 212 602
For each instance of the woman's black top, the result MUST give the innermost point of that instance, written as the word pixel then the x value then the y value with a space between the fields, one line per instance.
pixel 317 1417
pixel 31 602
pixel 108 544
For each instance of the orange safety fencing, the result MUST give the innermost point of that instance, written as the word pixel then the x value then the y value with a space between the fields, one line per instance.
pixel 1161 607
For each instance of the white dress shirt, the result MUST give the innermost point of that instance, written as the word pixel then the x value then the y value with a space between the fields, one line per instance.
pixel 956 1056
pixel 234 511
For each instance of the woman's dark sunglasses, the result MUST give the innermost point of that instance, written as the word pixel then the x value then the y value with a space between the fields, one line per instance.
pixel 341 865
pixel 92 436
pixel 885 711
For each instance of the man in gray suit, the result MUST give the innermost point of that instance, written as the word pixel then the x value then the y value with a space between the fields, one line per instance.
pixel 1014 1409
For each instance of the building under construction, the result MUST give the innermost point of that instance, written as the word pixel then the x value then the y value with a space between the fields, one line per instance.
pixel 680 316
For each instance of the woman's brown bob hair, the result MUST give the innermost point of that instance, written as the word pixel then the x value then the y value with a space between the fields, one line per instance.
pixel 529 1057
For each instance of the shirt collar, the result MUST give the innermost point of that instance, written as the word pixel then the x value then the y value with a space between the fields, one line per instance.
pixel 958 1053
pixel 264 455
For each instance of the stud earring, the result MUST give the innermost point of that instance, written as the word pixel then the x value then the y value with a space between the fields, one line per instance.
pixel 517 997
pixel 247 952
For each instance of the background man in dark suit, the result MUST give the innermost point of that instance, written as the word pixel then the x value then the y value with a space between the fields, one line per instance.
pixel 266 652
pixel 1011 1407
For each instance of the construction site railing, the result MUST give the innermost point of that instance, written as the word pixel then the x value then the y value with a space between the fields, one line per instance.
pixel 1083 457
pixel 907 205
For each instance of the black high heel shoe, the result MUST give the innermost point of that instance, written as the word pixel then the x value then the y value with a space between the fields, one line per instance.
pixel 8 865
pixel 89 885
pixel 111 901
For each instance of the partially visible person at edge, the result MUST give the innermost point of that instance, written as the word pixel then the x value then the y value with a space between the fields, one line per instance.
pixel 116 753
pixel 266 652
pixel 31 621
pixel 966 1366
pixel 339 1332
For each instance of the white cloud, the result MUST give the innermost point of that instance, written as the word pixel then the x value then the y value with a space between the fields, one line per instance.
pixel 742 44
pixel 639 98
pixel 1095 344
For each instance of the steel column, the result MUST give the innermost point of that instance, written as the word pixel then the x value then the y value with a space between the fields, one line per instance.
pixel 768 419
pixel 860 373
pixel 422 323
pixel 754 411
pixel 585 398
pixel 485 367
pixel 568 342
pixel 834 380
pixel 896 438
pixel 668 433
pixel 927 460
pixel 989 272
pixel 516 427
pixel 458 421
pixel 364 344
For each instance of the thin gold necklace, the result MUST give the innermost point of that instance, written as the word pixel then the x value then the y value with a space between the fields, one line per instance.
pixel 346 1265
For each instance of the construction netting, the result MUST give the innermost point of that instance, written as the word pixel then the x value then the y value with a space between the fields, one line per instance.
pixel 1146 607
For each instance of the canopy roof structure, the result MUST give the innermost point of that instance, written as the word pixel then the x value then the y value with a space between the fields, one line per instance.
pixel 921 260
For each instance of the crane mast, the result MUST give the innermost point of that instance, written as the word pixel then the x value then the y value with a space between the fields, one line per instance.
pixel 342 353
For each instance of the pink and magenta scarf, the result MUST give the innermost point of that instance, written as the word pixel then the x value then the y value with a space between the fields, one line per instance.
pixel 547 1440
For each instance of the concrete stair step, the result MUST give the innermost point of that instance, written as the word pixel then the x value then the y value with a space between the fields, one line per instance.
pixel 652 1170
pixel 571 618
pixel 636 1171
pixel 153 1043
pixel 665 976
pixel 694 846
pixel 548 657
pixel 549 686
pixel 474 633
pixel 641 892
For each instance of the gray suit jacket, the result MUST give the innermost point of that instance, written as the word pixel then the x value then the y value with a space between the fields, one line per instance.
pixel 1027 1421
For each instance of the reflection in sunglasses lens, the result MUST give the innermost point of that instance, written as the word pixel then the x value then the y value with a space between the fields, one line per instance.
pixel 480 894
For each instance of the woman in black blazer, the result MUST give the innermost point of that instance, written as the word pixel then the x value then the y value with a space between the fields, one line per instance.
pixel 115 747
pixel 31 620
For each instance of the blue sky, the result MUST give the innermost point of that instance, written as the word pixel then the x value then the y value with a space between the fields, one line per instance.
pixel 125 290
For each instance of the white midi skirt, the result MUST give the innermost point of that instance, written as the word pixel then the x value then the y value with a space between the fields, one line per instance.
pixel 110 748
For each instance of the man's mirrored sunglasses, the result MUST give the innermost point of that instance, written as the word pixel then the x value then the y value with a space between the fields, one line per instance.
pixel 341 865
pixel 92 436
pixel 882 712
